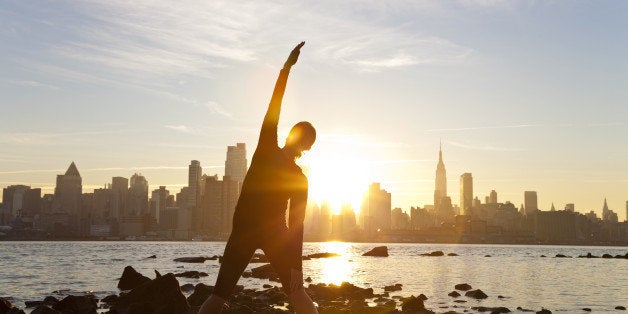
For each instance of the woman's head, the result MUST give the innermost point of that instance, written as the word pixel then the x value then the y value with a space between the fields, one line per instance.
pixel 301 138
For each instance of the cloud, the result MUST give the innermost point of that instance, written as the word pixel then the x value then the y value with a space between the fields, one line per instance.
pixel 515 126
pixel 214 108
pixel 30 83
pixel 484 147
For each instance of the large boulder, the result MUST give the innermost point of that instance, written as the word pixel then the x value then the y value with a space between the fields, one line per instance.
pixel 193 259
pixel 44 309
pixel 476 294
pixel 131 279
pixel 265 271
pixel 78 304
pixel 191 274
pixel 6 307
pixel 160 295
pixel 414 305
pixel 323 255
pixel 379 251
pixel 345 291
pixel 435 253
pixel 200 294
pixel 463 286
pixel 493 310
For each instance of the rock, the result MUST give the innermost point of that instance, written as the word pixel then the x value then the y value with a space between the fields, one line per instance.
pixel 194 259
pixel 395 287
pixel 308 279
pixel 414 305
pixel 454 294
pixel 191 274
pixel 201 293
pixel 152 256
pixel 7 307
pixel 305 258
pixel 621 308
pixel 76 304
pixel 265 272
pixel 487 256
pixel 452 254
pixel 493 310
pixel 110 299
pixel 463 286
pixel 44 309
pixel 131 279
pixel 589 255
pixel 586 309
pixel 30 304
pixel 50 300
pixel 607 256
pixel 476 294
pixel 187 287
pixel 543 256
pixel 562 256
pixel 258 258
pixel 524 310
pixel 323 255
pixel 345 291
pixel 267 286
pixel 160 295
pixel 157 274
pixel 544 311
pixel 501 297
pixel 379 251
pixel 435 253
pixel 460 301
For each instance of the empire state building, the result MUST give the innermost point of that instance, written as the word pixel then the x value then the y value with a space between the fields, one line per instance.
pixel 440 189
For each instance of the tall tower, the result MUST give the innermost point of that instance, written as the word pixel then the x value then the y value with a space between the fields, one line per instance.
pixel 68 191
pixel 492 199
pixel 530 202
pixel 195 172
pixel 466 193
pixel 440 187
pixel 605 211
pixel 137 203
pixel 236 163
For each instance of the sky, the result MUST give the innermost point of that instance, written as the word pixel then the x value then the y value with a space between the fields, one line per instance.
pixel 525 95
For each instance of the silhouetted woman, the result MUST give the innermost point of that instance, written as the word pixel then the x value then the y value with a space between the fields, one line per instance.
pixel 272 182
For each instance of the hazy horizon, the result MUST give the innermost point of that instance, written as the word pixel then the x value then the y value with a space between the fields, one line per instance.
pixel 524 95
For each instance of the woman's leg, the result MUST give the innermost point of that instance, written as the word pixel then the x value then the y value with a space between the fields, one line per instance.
pixel 238 253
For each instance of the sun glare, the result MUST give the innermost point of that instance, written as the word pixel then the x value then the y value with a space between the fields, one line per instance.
pixel 337 177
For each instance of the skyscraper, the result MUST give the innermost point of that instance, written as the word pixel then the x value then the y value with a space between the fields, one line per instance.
pixel 466 193
pixel 492 199
pixel 218 205
pixel 440 187
pixel 236 163
pixel 530 202
pixel 120 186
pixel 158 202
pixel 376 212
pixel 195 172
pixel 68 191
pixel 137 203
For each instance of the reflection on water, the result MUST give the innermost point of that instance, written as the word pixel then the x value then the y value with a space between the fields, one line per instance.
pixel 32 270
pixel 336 269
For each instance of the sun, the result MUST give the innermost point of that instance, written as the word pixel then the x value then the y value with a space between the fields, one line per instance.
pixel 337 177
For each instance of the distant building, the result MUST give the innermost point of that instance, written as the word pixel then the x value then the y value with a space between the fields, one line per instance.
pixel 158 202
pixel 218 205
pixel 376 211
pixel 137 203
pixel 440 186
pixel 570 207
pixel 13 198
pixel 626 211
pixel 400 219
pixel 67 198
pixel 466 193
pixel 236 163
pixel 607 214
pixel 120 186
pixel 530 202
pixel 195 172
pixel 492 198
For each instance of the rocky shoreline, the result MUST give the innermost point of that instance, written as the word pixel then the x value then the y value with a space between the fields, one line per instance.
pixel 164 294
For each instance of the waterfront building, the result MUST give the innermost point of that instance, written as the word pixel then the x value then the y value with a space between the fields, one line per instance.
pixel 440 186
pixel 158 202
pixel 68 191
pixel 137 203
pixel 376 211
pixel 236 163
pixel 530 202
pixel 218 205
pixel 466 193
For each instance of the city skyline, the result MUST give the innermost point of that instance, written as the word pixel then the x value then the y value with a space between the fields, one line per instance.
pixel 527 96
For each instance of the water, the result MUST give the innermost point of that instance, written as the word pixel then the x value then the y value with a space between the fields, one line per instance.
pixel 33 270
